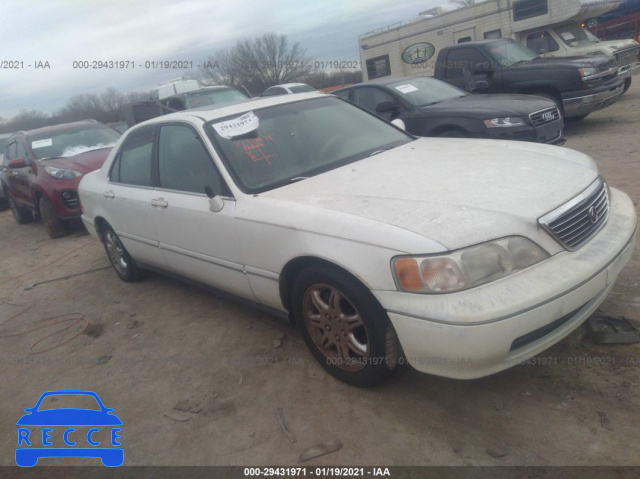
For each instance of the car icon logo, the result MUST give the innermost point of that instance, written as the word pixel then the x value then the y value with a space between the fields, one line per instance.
pixel 69 432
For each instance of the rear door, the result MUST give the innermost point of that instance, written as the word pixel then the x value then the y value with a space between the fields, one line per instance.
pixel 128 196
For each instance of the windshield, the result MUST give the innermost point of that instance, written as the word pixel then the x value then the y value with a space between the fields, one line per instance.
pixel 301 88
pixel 508 53
pixel 574 35
pixel 72 141
pixel 421 91
pixel 270 147
pixel 212 97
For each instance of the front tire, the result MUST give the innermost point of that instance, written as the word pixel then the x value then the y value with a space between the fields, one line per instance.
pixel 20 214
pixel 344 326
pixel 627 84
pixel 52 222
pixel 124 265
pixel 453 134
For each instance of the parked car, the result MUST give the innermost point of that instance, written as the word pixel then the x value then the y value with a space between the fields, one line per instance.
pixel 287 89
pixel 3 140
pixel 460 258
pixel 430 107
pixel 138 112
pixel 44 167
pixel 206 96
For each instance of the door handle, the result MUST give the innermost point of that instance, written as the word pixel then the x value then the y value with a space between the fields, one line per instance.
pixel 109 195
pixel 160 203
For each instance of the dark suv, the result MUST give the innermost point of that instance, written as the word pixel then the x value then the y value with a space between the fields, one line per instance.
pixel 44 167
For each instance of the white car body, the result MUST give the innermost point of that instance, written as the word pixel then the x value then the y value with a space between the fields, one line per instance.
pixel 429 196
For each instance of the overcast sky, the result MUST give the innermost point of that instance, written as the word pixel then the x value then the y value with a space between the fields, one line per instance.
pixel 63 31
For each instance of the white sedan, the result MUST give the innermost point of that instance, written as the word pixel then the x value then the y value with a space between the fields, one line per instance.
pixel 461 258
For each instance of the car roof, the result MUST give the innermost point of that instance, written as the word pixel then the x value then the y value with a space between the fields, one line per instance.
pixel 288 85
pixel 212 112
pixel 61 126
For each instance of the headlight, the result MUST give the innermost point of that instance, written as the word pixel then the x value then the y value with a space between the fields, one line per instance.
pixel 504 122
pixel 466 268
pixel 586 72
pixel 62 174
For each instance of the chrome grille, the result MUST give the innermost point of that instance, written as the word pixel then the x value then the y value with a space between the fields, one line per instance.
pixel 627 57
pixel 575 222
pixel 543 117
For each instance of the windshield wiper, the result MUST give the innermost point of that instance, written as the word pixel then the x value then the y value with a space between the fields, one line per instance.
pixel 381 151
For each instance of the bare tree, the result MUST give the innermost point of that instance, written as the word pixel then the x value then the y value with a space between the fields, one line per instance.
pixel 462 3
pixel 220 69
pixel 270 60
pixel 27 120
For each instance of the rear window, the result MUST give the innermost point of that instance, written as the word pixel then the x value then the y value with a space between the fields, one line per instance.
pixel 72 141
pixel 301 88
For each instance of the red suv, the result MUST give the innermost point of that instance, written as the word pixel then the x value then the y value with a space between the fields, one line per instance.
pixel 44 168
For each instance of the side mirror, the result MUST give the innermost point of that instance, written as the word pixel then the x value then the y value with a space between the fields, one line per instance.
pixel 480 85
pixel 385 106
pixel 542 51
pixel 215 202
pixel 18 163
pixel 399 123
pixel 482 68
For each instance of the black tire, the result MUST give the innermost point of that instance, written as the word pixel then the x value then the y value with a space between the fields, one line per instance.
pixel 354 339
pixel 22 215
pixel 4 203
pixel 453 134
pixel 52 222
pixel 124 265
pixel 627 84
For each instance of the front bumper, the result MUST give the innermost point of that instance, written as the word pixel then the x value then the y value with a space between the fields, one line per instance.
pixel 578 104
pixel 490 328
pixel 627 71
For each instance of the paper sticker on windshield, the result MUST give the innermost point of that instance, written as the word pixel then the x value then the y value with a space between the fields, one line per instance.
pixel 568 36
pixel 238 126
pixel 41 143
pixel 406 88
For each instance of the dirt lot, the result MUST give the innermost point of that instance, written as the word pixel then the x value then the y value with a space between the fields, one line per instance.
pixel 158 344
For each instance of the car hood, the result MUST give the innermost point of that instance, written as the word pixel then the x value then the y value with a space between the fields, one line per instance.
pixel 454 192
pixel 83 162
pixel 617 45
pixel 599 62
pixel 69 417
pixel 489 106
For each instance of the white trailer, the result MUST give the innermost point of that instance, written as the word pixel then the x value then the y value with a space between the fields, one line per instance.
pixel 549 27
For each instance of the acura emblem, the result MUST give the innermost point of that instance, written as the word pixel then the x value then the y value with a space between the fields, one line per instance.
pixel 593 215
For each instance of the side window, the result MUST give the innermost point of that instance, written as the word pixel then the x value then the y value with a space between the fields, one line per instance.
pixel 344 94
pixel 529 8
pixel 492 34
pixel 11 151
pixel 459 59
pixel 21 152
pixel 464 40
pixel 183 162
pixel 176 104
pixel 369 98
pixel 133 163
pixel 378 67
pixel 542 41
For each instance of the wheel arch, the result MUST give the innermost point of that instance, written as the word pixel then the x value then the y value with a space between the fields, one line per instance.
pixel 294 266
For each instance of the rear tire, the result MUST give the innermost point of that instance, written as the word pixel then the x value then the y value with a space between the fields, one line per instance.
pixel 344 326
pixel 22 215
pixel 124 265
pixel 52 222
